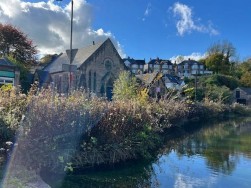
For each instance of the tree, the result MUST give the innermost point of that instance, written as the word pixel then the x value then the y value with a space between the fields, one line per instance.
pixel 125 87
pixel 244 66
pixel 225 48
pixel 48 59
pixel 219 57
pixel 16 44
pixel 246 79
pixel 215 63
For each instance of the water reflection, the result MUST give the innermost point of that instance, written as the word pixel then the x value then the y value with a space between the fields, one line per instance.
pixel 221 145
pixel 216 156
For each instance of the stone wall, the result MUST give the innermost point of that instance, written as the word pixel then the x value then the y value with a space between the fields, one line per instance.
pixel 243 95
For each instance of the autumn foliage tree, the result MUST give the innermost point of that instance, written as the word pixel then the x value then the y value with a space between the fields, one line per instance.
pixel 244 70
pixel 219 57
pixel 14 43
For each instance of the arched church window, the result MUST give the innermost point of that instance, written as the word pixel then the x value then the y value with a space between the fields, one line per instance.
pixel 94 82
pixel 108 64
pixel 90 80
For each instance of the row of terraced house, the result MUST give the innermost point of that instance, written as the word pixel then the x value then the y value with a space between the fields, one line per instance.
pixel 187 68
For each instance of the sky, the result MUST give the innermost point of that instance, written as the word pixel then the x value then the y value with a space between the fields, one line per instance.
pixel 140 29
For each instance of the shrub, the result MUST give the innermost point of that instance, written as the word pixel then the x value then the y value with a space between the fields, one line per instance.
pixel 222 80
pixel 125 87
pixel 6 87
pixel 75 131
pixel 218 94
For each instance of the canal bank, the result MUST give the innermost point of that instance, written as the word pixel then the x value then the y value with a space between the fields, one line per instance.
pixel 190 142
pixel 216 155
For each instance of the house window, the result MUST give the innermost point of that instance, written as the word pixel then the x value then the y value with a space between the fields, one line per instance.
pixel 134 66
pixel 237 94
pixel 156 67
pixel 94 81
pixel 165 66
pixel 6 81
pixel 195 66
pixel 90 80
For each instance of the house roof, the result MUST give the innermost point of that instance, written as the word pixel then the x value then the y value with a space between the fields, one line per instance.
pixel 172 79
pixel 139 62
pixel 135 61
pixel 160 61
pixel 246 90
pixel 4 61
pixel 190 62
pixel 82 55
pixel 147 78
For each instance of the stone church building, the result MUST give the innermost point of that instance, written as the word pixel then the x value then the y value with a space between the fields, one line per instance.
pixel 97 67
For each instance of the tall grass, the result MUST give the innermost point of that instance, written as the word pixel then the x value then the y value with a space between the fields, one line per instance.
pixel 77 131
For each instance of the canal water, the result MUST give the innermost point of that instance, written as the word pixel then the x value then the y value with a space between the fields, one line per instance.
pixel 217 155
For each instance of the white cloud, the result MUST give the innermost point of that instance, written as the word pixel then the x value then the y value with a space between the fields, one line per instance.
pixel 147 11
pixel 48 24
pixel 182 180
pixel 186 24
pixel 194 56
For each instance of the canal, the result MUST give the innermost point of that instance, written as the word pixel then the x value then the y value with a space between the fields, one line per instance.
pixel 217 155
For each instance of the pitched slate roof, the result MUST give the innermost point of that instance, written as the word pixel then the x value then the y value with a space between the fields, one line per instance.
pixel 147 78
pixel 82 55
pixel 190 62
pixel 140 62
pixel 247 90
pixel 135 61
pixel 4 61
pixel 172 79
pixel 160 61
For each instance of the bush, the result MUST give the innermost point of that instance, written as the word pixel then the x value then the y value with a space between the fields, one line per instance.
pixel 222 80
pixel 6 87
pixel 218 94
pixel 63 133
pixel 125 87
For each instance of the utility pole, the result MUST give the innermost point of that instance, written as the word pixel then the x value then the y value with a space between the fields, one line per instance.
pixel 71 45
pixel 69 67
pixel 195 92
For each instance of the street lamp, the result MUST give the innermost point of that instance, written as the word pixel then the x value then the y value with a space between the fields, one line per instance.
pixel 69 53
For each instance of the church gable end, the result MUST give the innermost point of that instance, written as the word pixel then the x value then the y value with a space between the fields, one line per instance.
pixel 102 68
